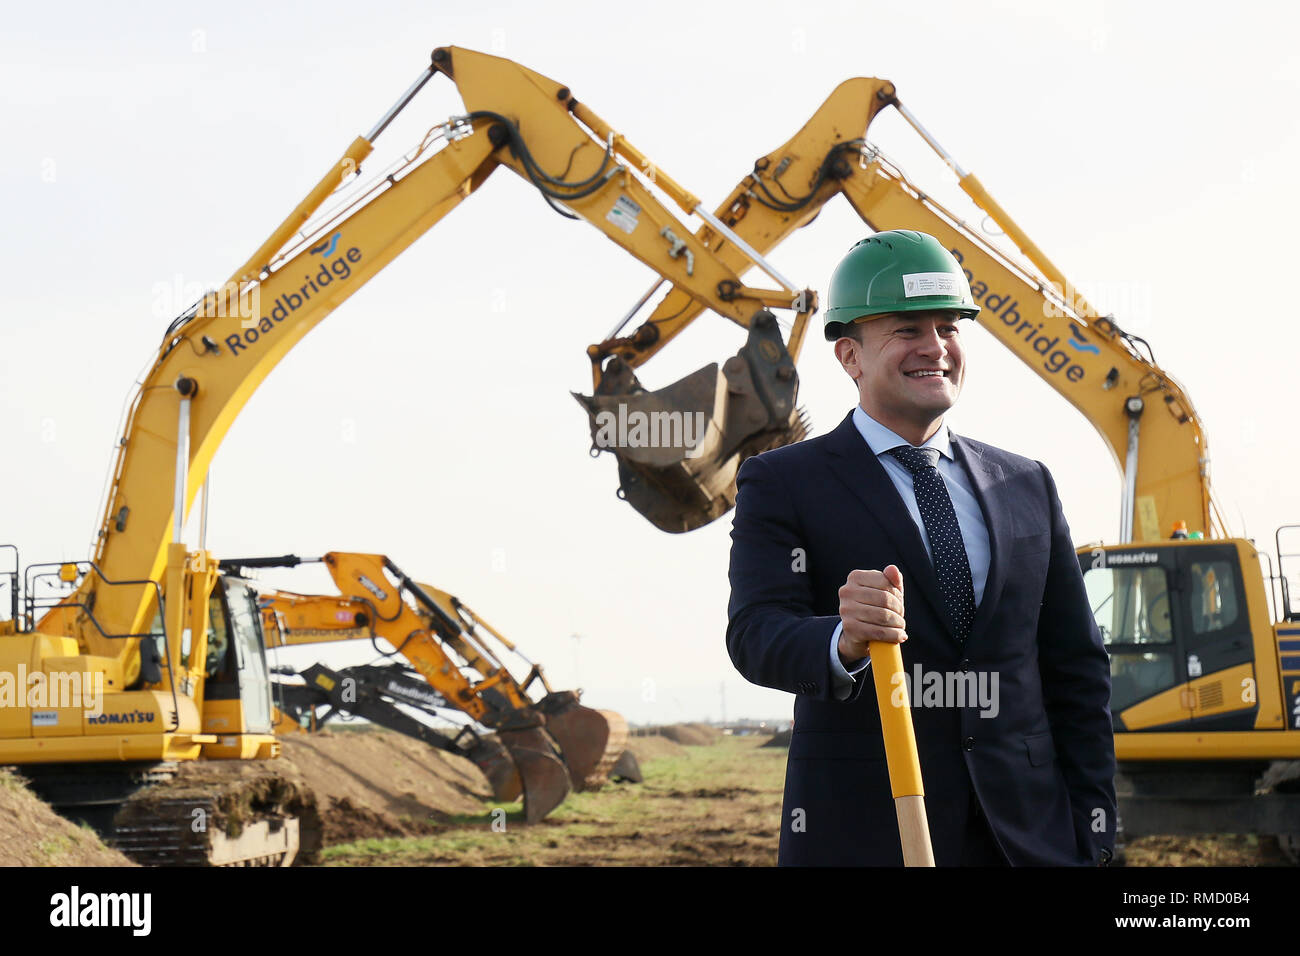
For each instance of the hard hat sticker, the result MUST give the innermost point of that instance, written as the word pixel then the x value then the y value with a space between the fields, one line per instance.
pixel 931 283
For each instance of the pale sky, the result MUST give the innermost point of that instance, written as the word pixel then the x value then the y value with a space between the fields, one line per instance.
pixel 1148 148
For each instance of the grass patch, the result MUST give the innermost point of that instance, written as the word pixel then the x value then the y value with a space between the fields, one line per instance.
pixel 54 847
pixel 694 808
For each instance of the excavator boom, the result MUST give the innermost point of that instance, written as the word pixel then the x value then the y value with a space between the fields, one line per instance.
pixel 156 621
pixel 1029 306
pixel 214 357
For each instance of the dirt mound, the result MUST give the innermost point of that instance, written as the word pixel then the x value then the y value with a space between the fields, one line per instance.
pixel 31 834
pixel 343 787
pixel 654 747
pixel 691 735
pixel 712 733
pixel 378 783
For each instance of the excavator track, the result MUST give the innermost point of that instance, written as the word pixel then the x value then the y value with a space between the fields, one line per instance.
pixel 165 837
pixel 215 814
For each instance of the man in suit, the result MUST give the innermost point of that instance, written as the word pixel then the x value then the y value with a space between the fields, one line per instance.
pixel 890 528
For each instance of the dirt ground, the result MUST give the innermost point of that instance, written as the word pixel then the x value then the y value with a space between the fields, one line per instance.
pixel 384 799
pixel 1227 850
pixel 366 784
pixel 31 834
pixel 714 802
pixel 700 805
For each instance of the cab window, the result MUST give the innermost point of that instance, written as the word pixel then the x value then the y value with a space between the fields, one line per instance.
pixel 1212 597
pixel 1130 604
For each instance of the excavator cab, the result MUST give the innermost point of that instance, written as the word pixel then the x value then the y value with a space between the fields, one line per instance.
pixel 1176 620
pixel 679 448
pixel 237 691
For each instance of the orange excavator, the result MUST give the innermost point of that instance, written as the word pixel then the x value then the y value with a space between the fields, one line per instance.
pixel 536 747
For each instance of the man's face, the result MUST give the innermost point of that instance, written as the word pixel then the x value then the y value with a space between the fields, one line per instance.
pixel 909 366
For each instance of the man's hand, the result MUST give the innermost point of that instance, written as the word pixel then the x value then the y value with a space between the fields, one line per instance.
pixel 871 609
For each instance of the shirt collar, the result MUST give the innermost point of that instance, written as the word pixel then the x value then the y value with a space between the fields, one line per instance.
pixel 880 439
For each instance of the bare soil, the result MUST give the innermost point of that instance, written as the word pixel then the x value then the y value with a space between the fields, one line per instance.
pixel 700 805
pixel 653 747
pixel 343 787
pixel 714 803
pixel 379 783
pixel 384 799
pixel 1216 850
pixel 366 784
pixel 31 834
pixel 694 735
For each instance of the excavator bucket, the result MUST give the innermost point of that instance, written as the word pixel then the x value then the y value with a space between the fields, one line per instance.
pixel 628 769
pixel 542 776
pixel 591 740
pixel 679 448
pixel 492 757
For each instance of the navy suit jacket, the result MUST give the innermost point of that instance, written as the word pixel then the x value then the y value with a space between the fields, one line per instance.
pixel 1042 767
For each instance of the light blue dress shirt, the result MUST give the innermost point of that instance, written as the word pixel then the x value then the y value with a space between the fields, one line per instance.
pixel 974 533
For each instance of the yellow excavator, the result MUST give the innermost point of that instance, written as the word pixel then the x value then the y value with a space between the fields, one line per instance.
pixel 114 651
pixel 1205 678
pixel 538 748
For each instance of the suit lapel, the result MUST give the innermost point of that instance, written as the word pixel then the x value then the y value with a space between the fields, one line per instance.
pixel 987 479
pixel 853 463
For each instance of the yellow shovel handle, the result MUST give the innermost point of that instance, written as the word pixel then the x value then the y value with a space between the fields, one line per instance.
pixel 900 753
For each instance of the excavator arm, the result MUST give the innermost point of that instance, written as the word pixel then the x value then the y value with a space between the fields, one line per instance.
pixel 214 357
pixel 1169 673
pixel 1142 414
pixel 553 740
pixel 1110 376
pixel 373 693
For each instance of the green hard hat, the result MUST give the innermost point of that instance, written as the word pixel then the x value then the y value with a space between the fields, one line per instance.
pixel 895 271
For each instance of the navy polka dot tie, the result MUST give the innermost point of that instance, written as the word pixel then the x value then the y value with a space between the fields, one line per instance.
pixel 946 545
